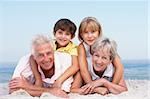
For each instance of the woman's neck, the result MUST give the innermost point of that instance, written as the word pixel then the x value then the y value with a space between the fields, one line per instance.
pixel 99 73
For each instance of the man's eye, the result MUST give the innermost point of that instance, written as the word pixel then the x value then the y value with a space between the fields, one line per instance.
pixel 104 57
pixel 40 55
pixel 49 53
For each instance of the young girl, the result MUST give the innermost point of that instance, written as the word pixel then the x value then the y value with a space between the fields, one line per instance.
pixel 64 31
pixel 103 52
pixel 89 31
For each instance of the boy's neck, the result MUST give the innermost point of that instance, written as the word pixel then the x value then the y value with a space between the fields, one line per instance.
pixel 58 46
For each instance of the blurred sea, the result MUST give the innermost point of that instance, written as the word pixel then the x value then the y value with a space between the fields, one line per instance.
pixel 133 69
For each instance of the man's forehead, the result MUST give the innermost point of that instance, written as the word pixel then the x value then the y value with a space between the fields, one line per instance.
pixel 43 47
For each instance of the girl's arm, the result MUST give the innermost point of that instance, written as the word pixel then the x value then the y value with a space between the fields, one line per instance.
pixel 77 83
pixel 34 68
pixel 69 72
pixel 118 69
pixel 83 65
pixel 116 88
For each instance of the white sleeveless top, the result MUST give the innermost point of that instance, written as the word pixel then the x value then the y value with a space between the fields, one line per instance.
pixel 109 70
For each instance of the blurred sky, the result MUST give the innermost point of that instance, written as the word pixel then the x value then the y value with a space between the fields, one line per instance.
pixel 124 21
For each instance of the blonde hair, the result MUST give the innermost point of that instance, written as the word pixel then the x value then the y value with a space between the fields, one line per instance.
pixel 40 40
pixel 105 43
pixel 92 23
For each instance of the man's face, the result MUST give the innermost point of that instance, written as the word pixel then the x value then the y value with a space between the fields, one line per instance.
pixel 44 56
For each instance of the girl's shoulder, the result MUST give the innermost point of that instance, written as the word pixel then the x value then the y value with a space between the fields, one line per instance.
pixel 81 45
pixel 81 48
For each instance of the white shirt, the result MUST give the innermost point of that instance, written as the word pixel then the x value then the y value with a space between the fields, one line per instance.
pixel 62 61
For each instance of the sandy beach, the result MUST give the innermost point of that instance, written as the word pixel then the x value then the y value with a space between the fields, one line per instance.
pixel 137 89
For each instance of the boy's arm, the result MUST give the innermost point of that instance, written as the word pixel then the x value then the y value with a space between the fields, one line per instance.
pixel 69 72
pixel 83 65
pixel 34 68
pixel 118 70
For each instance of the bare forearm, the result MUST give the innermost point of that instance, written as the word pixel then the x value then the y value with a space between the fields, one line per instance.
pixel 114 88
pixel 86 76
pixel 34 68
pixel 118 70
pixel 68 73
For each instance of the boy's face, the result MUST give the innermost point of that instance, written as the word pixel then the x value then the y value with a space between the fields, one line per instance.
pixel 44 56
pixel 100 60
pixel 63 37
pixel 89 36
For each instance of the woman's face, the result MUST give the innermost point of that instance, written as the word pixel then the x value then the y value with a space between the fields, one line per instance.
pixel 100 59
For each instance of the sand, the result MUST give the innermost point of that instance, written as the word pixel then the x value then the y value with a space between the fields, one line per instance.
pixel 137 89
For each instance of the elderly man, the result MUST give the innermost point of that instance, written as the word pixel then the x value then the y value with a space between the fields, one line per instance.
pixel 50 65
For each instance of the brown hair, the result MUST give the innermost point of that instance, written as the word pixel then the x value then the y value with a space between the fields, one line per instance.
pixel 65 25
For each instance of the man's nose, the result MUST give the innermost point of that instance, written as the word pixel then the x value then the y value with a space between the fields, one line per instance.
pixel 46 57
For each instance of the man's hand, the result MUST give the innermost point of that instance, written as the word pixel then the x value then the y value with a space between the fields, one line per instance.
pixel 18 83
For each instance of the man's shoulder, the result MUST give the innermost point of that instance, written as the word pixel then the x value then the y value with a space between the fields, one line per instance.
pixel 57 54
pixel 27 56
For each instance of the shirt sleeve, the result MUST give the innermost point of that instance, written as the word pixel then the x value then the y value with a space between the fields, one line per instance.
pixel 74 51
pixel 23 67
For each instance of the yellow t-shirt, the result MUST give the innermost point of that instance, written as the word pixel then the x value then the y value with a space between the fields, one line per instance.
pixel 71 48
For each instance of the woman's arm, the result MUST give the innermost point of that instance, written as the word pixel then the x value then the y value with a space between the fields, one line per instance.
pixel 69 72
pixel 34 68
pixel 83 65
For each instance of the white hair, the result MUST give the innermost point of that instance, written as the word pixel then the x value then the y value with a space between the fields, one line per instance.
pixel 105 43
pixel 40 40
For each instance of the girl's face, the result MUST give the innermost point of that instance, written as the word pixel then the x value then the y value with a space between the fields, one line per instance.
pixel 100 60
pixel 62 37
pixel 89 36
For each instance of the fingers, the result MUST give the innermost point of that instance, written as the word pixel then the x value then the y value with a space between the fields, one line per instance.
pixel 60 93
pixel 88 88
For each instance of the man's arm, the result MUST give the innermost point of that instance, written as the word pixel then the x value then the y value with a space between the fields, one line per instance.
pixel 22 83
